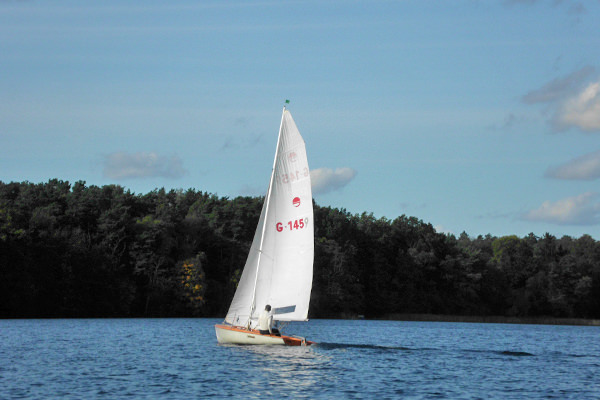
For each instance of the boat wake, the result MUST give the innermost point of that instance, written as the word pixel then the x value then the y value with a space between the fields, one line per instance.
pixel 515 353
pixel 511 353
pixel 349 346
pixel 342 346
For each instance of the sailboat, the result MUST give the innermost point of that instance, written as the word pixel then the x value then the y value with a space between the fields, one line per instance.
pixel 279 268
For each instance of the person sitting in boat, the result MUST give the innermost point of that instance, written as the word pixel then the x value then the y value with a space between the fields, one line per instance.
pixel 265 322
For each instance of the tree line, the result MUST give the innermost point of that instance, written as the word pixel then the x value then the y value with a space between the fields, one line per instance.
pixel 72 250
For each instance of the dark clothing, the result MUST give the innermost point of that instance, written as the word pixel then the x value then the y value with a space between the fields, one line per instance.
pixel 266 332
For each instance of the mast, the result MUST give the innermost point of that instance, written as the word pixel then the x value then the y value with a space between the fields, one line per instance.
pixel 262 234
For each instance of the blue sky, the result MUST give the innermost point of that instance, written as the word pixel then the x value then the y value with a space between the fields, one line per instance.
pixel 476 116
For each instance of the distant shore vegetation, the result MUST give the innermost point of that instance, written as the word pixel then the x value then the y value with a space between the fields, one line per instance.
pixel 73 250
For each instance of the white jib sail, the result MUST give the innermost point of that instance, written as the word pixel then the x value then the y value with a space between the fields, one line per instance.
pixel 279 267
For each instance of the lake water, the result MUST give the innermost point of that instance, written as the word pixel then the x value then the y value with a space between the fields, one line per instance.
pixel 180 359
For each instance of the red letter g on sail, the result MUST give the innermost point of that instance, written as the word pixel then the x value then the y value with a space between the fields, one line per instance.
pixel 279 227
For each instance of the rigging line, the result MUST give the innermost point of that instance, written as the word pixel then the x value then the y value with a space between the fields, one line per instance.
pixel 262 235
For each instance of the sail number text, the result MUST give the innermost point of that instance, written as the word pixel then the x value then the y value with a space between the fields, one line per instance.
pixel 292 225
pixel 293 176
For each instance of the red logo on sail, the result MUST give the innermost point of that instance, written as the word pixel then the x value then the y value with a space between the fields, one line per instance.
pixel 292 157
pixel 296 201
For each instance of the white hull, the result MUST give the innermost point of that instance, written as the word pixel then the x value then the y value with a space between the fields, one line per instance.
pixel 231 336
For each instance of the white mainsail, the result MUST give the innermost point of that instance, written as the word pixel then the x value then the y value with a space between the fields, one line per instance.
pixel 279 267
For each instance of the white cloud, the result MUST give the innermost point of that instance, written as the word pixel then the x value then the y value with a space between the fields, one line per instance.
pixel 122 165
pixel 510 121
pixel 559 88
pixel 325 180
pixel 579 210
pixel 248 142
pixel 442 229
pixel 586 167
pixel 581 110
pixel 574 7
pixel 573 100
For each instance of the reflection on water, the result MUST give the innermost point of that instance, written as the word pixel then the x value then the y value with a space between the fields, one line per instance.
pixel 287 367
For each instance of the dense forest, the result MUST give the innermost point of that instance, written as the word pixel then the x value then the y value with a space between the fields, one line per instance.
pixel 88 251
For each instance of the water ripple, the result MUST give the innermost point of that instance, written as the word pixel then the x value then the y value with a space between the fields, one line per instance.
pixel 180 359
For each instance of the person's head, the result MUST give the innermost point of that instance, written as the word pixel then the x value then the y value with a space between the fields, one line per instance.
pixel 268 307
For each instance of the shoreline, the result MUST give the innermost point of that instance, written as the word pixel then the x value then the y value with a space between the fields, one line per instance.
pixel 387 317
pixel 490 319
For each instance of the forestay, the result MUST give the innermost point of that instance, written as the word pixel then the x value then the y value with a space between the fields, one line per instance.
pixel 279 267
